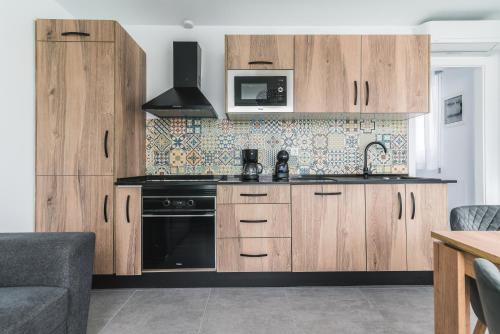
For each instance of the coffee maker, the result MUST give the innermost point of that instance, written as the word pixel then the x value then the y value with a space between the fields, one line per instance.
pixel 281 169
pixel 251 168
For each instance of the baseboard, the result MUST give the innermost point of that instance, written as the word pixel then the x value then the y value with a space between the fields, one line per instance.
pixel 214 279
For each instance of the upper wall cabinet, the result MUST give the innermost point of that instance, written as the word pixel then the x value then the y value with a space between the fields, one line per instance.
pixel 327 73
pixel 395 74
pixel 75 31
pixel 259 52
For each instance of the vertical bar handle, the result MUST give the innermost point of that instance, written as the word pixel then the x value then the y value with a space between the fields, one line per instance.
pixel 367 86
pixel 106 208
pixel 413 205
pixel 106 135
pixel 127 209
pixel 355 92
pixel 400 199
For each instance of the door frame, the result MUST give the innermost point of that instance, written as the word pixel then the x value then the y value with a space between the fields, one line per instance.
pixel 486 157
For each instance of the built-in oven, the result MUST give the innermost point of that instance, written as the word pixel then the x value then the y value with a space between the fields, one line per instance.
pixel 178 228
pixel 259 91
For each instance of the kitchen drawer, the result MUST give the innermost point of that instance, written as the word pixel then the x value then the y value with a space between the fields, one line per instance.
pixel 252 194
pixel 75 30
pixel 254 254
pixel 253 220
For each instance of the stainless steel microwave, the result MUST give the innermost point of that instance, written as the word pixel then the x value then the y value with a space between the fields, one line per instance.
pixel 259 91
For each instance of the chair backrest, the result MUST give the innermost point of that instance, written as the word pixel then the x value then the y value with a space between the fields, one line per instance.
pixel 475 218
pixel 488 283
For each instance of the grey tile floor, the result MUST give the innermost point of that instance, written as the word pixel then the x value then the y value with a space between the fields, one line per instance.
pixel 301 310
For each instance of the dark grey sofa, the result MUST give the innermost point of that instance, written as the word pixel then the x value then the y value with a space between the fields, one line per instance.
pixel 45 281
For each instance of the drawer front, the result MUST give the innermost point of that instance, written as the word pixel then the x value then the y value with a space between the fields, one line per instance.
pixel 254 254
pixel 75 30
pixel 253 221
pixel 252 194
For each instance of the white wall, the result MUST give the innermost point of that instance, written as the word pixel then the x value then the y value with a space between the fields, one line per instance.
pixel 17 109
pixel 457 148
pixel 157 43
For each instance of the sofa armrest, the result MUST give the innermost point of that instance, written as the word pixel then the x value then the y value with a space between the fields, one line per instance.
pixel 51 259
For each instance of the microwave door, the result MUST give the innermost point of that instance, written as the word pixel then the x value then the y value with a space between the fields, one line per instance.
pixel 250 91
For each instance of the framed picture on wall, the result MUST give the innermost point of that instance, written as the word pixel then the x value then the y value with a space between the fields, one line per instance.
pixel 453 113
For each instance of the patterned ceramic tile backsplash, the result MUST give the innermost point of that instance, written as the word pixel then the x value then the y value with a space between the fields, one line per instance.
pixel 208 146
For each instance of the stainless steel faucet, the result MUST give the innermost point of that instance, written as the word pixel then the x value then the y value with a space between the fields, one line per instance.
pixel 366 171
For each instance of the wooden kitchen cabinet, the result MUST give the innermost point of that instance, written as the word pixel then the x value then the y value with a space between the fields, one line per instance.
pixel 253 254
pixel 385 227
pixel 327 74
pixel 90 127
pixel 395 74
pixel 128 225
pixel 78 204
pixel 259 52
pixel 426 210
pixel 75 108
pixel 253 221
pixel 328 228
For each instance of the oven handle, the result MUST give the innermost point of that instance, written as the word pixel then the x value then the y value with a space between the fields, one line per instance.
pixel 173 216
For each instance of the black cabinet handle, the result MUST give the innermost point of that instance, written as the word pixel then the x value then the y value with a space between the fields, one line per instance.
pixel 367 86
pixel 106 208
pixel 253 195
pixel 413 205
pixel 127 209
pixel 253 255
pixel 328 194
pixel 355 92
pixel 253 221
pixel 260 62
pixel 106 135
pixel 75 33
pixel 400 205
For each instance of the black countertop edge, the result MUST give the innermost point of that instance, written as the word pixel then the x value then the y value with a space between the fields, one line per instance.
pixel 294 180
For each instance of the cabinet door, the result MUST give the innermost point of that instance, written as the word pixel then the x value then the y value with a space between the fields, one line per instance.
pixel 75 30
pixel 395 74
pixel 128 224
pixel 78 204
pixel 328 228
pixel 259 52
pixel 75 107
pixel 427 210
pixel 385 227
pixel 327 73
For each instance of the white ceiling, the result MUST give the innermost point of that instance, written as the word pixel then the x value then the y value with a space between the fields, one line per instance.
pixel 283 12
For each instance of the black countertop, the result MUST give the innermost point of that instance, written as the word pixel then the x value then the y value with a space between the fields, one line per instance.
pixel 268 179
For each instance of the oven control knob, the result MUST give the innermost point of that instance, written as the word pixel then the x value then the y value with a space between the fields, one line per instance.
pixel 190 202
pixel 166 202
pixel 280 89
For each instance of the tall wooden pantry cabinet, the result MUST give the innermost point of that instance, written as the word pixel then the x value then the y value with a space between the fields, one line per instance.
pixel 90 129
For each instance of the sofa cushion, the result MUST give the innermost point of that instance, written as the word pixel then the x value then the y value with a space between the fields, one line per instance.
pixel 32 310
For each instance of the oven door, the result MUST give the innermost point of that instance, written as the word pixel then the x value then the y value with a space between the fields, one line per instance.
pixel 178 242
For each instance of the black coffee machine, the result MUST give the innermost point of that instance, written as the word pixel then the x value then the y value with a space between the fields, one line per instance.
pixel 281 169
pixel 251 167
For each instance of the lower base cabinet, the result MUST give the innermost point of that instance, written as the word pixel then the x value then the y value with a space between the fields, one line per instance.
pixel 78 204
pixel 128 223
pixel 253 254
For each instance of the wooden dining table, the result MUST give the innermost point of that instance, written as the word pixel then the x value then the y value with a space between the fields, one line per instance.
pixel 454 254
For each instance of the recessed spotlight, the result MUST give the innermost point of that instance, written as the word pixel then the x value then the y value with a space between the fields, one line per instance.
pixel 188 24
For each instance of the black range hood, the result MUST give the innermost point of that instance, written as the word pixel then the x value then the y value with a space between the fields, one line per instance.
pixel 185 99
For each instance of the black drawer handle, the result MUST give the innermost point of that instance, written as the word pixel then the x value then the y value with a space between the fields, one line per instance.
pixel 106 208
pixel 260 62
pixel 367 85
pixel 106 135
pixel 127 209
pixel 75 33
pixel 413 205
pixel 328 194
pixel 253 255
pixel 355 92
pixel 400 205
pixel 253 221
pixel 253 195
